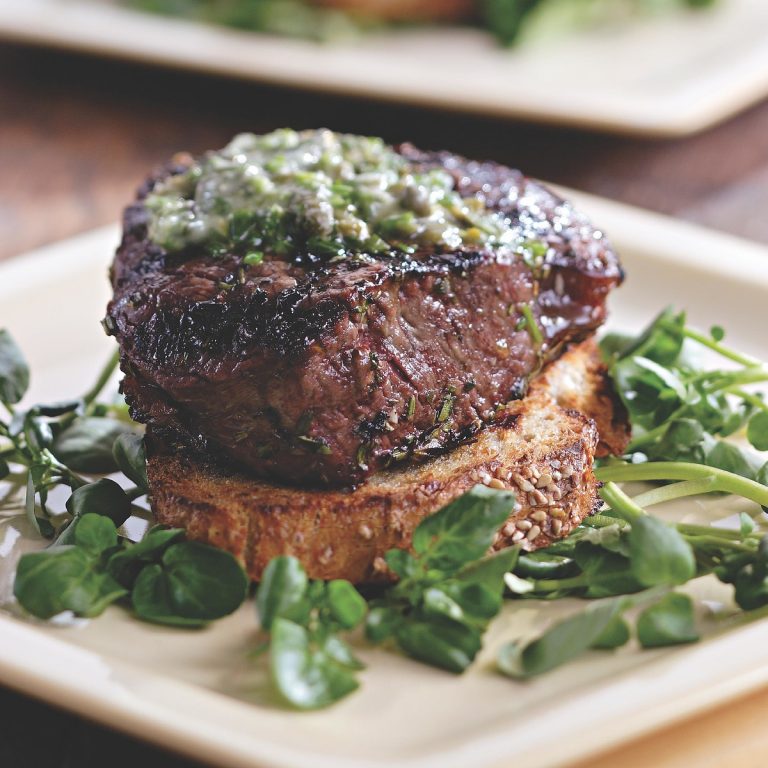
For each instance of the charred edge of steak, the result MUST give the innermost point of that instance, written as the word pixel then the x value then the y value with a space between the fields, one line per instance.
pixel 321 375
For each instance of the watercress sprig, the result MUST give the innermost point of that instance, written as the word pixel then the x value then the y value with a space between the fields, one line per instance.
pixel 681 411
pixel 448 590
pixel 163 579
pixel 89 566
pixel 59 443
pixel 639 559
pixel 310 665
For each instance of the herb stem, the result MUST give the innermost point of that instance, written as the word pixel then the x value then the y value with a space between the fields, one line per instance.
pixel 604 521
pixel 718 543
pixel 621 503
pixel 674 491
pixel 530 324
pixel 691 529
pixel 725 482
pixel 715 346
pixel 106 373
pixel 717 381
pixel 652 434
pixel 748 397
pixel 554 585
pixel 135 493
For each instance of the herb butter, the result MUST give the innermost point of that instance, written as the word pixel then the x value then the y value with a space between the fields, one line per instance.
pixel 317 193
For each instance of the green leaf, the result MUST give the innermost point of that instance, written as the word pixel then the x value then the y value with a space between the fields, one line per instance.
pixel 746 524
pixel 661 341
pixel 608 573
pixel 610 537
pixel 37 431
pixel 665 376
pixel 490 570
pixel 305 675
pixel 341 652
pixel 400 562
pixel 615 634
pixel 152 599
pixel 14 372
pixel 194 584
pixel 671 621
pixel 346 604
pixel 561 643
pixel 126 564
pixel 281 591
pixel 64 579
pixel 102 497
pixel 659 555
pixel 757 431
pixel 748 572
pixel 440 642
pixel 762 478
pixel 463 530
pixel 437 602
pixel 5 470
pixel 86 445
pixel 680 439
pixel 504 18
pixel 128 452
pixel 381 623
pixel 731 458
pixel 95 534
pixel 29 503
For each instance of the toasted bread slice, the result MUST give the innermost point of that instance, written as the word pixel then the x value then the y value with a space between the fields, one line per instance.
pixel 544 453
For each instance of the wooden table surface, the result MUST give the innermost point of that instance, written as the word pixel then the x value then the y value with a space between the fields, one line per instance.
pixel 77 135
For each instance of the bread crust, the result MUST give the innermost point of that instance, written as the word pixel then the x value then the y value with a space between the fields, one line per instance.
pixel 544 452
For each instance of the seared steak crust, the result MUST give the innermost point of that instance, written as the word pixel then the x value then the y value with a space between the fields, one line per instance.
pixel 319 374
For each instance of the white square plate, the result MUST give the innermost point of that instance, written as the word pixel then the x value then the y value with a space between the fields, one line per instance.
pixel 668 75
pixel 197 692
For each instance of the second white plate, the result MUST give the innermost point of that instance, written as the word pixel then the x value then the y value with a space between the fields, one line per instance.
pixel 668 75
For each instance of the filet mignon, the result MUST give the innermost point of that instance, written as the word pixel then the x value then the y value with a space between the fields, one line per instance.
pixel 319 372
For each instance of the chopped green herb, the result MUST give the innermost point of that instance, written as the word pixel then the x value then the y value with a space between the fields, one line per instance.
pixel 317 444
pixel 362 456
pixel 446 408
pixel 252 258
pixel 530 323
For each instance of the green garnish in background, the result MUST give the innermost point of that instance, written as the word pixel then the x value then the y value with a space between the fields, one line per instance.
pixel 509 21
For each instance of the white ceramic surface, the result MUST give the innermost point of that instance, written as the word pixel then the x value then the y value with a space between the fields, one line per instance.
pixel 196 691
pixel 669 75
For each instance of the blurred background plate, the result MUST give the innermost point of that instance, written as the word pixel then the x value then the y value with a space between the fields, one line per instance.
pixel 669 75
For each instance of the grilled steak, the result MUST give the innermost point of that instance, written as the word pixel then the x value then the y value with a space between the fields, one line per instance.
pixel 319 370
